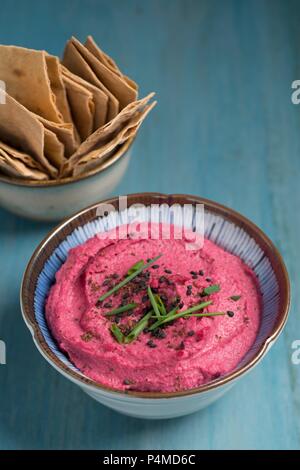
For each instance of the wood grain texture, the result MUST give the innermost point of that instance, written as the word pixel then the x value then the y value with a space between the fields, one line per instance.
pixel 225 128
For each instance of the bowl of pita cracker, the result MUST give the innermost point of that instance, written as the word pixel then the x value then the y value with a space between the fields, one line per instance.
pixel 66 128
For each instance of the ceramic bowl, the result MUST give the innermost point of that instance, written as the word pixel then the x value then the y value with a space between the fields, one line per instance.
pixel 226 228
pixel 55 200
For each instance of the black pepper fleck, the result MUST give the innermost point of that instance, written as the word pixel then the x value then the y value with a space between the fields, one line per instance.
pixel 159 333
pixel 107 305
pixel 189 290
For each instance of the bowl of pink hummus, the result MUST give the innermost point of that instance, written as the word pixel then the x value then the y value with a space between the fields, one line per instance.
pixel 158 308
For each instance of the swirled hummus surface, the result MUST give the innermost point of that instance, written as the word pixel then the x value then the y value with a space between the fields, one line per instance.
pixel 181 354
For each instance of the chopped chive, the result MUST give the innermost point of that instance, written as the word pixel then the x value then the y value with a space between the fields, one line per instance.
pixel 139 327
pixel 135 267
pixel 117 333
pixel 210 290
pixel 207 314
pixel 122 309
pixel 153 302
pixel 128 279
pixel 172 315
pixel 161 305
pixel 159 321
pixel 235 297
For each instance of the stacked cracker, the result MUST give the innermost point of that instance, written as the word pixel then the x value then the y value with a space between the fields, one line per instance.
pixel 64 118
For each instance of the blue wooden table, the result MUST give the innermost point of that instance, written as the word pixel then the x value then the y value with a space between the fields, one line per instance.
pixel 226 129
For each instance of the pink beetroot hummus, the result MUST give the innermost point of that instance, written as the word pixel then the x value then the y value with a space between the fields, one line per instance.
pixel 182 354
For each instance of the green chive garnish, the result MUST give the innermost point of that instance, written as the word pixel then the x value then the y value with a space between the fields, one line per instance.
pixel 210 290
pixel 122 309
pixel 173 315
pixel 139 327
pixel 135 267
pixel 160 305
pixel 128 279
pixel 153 302
pixel 159 321
pixel 235 297
pixel 207 314
pixel 117 333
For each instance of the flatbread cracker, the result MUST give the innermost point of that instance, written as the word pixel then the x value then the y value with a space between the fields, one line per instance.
pixel 96 157
pixel 19 164
pixel 105 133
pixel 74 61
pixel 106 60
pixel 100 99
pixel 58 88
pixel 124 93
pixel 82 106
pixel 20 129
pixel 25 74
pixel 53 149
pixel 99 162
pixel 65 133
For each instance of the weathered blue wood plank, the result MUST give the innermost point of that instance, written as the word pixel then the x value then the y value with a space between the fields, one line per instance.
pixel 225 129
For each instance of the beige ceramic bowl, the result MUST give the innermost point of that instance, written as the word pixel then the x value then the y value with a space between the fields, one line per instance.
pixel 55 200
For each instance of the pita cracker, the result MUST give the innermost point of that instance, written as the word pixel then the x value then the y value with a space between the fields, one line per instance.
pixel 25 74
pixel 100 99
pixel 19 164
pixel 91 45
pixel 53 149
pixel 22 156
pixel 65 132
pixel 106 133
pixel 106 60
pixel 96 157
pixel 17 169
pixel 99 162
pixel 58 88
pixel 82 106
pixel 19 128
pixel 74 61
pixel 124 93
